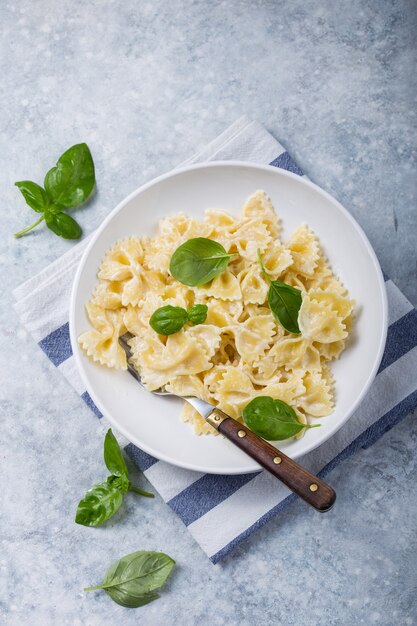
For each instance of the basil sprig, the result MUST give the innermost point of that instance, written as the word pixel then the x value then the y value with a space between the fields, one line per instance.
pixel 104 499
pixel 169 319
pixel 272 419
pixel 198 261
pixel 133 580
pixel 284 301
pixel 67 185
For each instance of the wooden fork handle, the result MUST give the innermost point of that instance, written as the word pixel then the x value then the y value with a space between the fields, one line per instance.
pixel 307 486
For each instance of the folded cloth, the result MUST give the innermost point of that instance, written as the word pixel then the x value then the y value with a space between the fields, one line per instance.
pixel 234 505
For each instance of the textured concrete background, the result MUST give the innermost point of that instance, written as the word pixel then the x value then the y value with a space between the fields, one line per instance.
pixel 146 84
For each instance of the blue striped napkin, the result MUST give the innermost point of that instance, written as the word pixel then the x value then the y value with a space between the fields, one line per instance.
pixel 234 505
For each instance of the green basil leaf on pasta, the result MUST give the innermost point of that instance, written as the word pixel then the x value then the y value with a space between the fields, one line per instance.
pixel 197 314
pixel 168 319
pixel 198 261
pixel 284 301
pixel 272 419
pixel 133 580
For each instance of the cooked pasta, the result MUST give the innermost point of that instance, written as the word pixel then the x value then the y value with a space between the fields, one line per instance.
pixel 240 351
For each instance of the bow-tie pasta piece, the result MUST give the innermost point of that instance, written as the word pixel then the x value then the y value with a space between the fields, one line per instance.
pixel 319 322
pixel 188 351
pixel 317 400
pixel 264 371
pixel 295 280
pixel 234 391
pixel 288 387
pixel 324 279
pixel 330 351
pixel 102 342
pixel 133 320
pixel 334 300
pixel 224 287
pixel 251 236
pixel 304 250
pixel 192 386
pixel 255 310
pixel 158 252
pixel 136 289
pixel 180 228
pixel 108 294
pixel 253 337
pixel 214 376
pixel 124 263
pixel 177 294
pixel 277 259
pixel 253 286
pixel 222 224
pixel 296 353
pixel 260 207
pixel 123 260
pixel 189 385
pixel 223 313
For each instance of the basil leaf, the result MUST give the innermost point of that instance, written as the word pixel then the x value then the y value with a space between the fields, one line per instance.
pixel 99 504
pixel 168 319
pixel 132 581
pixel 72 180
pixel 63 225
pixel 197 314
pixel 199 260
pixel 34 195
pixel 113 456
pixel 285 302
pixel 272 419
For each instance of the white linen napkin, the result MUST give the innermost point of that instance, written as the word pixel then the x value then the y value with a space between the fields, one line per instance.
pixel 234 505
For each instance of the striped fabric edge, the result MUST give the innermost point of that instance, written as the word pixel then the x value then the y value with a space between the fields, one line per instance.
pixel 256 139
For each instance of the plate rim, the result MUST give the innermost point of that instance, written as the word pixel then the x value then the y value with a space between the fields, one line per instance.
pixel 172 174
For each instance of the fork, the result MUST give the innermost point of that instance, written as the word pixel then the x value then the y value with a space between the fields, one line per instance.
pixel 303 483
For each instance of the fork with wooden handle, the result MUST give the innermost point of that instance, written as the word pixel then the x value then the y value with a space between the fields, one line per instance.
pixel 307 486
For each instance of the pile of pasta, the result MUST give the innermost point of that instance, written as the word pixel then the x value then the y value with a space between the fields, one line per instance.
pixel 240 351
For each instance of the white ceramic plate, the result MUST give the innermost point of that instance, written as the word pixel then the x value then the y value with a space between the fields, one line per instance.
pixel 152 422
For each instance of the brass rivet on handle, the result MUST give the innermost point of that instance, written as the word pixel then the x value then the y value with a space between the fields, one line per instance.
pixel 277 460
pixel 241 433
pixel 216 418
pixel 313 487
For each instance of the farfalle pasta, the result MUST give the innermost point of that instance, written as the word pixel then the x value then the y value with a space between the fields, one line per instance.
pixel 240 351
